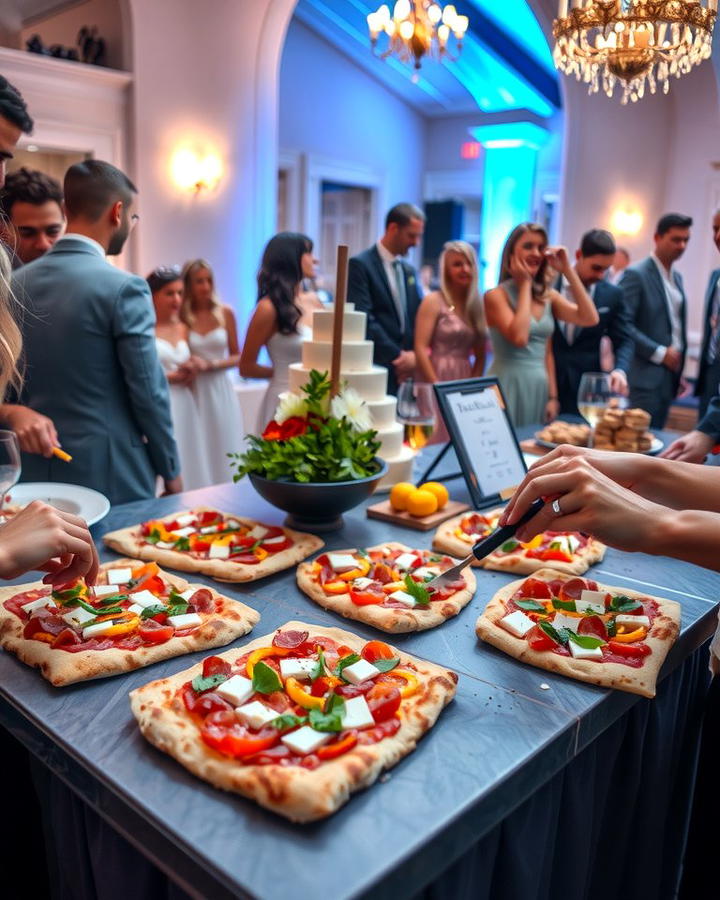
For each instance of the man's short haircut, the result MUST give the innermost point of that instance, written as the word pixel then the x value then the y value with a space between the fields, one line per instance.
pixel 402 213
pixel 597 242
pixel 672 220
pixel 93 186
pixel 29 186
pixel 13 107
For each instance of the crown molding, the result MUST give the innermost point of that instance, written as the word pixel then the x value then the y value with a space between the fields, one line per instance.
pixel 45 73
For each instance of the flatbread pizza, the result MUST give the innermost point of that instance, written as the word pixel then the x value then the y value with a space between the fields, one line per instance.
pixel 297 720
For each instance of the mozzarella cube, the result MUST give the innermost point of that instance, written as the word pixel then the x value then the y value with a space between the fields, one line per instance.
pixel 271 542
pixel 136 608
pixel 297 668
pixel 403 597
pixel 572 623
pixel 219 551
pixel 342 562
pixel 591 601
pixel 145 599
pixel 305 740
pixel 406 561
pixel 256 714
pixel 583 652
pixel 105 590
pixel 97 630
pixel 572 543
pixel 517 623
pixel 119 576
pixel 185 520
pixel 186 595
pixel 424 572
pixel 210 529
pixel 361 583
pixel 78 616
pixel 632 621
pixel 233 524
pixel 357 714
pixel 164 545
pixel 360 671
pixel 184 532
pixel 257 532
pixel 185 620
pixel 38 604
pixel 237 689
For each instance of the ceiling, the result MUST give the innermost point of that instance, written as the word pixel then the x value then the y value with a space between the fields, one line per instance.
pixel 30 10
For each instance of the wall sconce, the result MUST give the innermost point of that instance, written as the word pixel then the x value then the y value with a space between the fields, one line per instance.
pixel 626 221
pixel 192 171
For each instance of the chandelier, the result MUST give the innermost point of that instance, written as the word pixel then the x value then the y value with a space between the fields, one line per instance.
pixel 417 28
pixel 636 42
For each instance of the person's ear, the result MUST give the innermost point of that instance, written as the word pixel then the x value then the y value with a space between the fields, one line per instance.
pixel 578 254
pixel 115 214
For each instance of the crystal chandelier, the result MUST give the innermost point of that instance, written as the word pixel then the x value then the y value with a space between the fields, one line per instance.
pixel 417 28
pixel 636 42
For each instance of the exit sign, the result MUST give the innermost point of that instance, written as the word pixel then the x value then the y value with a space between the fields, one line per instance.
pixel 470 150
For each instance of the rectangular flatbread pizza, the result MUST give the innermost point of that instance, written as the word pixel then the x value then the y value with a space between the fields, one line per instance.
pixel 135 615
pixel 610 636
pixel 565 551
pixel 384 586
pixel 222 545
pixel 296 720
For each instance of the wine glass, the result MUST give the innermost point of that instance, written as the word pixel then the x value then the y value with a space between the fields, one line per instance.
pixel 593 396
pixel 416 411
pixel 9 463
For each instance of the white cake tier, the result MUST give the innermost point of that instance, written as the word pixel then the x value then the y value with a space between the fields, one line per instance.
pixel 356 355
pixel 383 412
pixel 399 469
pixel 391 439
pixel 371 385
pixel 354 324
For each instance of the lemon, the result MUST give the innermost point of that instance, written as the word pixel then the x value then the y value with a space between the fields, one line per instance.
pixel 421 503
pixel 399 494
pixel 440 491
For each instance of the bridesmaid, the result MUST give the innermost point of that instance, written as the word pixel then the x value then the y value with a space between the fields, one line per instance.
pixel 520 314
pixel 213 338
pixel 282 317
pixel 180 368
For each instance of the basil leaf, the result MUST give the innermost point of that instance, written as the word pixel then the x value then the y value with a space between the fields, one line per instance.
pixel 611 626
pixel 530 606
pixel 112 611
pixel 86 606
pixel 344 663
pixel 385 665
pixel 176 598
pixel 331 720
pixel 113 599
pixel 417 591
pixel 265 679
pixel 182 543
pixel 201 683
pixel 319 669
pixel 623 604
pixel 67 596
pixel 178 610
pixel 153 537
pixel 568 605
pixel 287 721
pixel 433 558
pixel 586 641
pixel 509 546
pixel 553 633
pixel 361 551
pixel 151 611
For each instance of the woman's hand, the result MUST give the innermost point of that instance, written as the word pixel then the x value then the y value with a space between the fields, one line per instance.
pixel 521 274
pixel 552 410
pixel 198 364
pixel 557 257
pixel 45 538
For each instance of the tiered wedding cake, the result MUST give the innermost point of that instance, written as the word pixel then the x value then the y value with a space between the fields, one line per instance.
pixel 368 380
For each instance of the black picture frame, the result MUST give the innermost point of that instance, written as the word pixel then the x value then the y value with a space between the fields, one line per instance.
pixel 468 459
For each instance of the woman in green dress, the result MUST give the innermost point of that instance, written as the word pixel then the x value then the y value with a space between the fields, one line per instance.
pixel 519 314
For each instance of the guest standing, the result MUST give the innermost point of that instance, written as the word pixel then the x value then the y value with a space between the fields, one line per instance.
pixel 282 317
pixel 655 297
pixel 520 315
pixel 621 261
pixel 31 216
pixel 708 380
pixel 91 361
pixel 383 285
pixel 181 369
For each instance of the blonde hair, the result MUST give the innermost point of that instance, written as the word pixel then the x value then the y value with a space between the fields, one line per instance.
pixel 540 280
pixel 474 309
pixel 10 337
pixel 187 314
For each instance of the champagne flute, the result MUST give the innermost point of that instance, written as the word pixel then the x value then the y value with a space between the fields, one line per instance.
pixel 594 393
pixel 10 467
pixel 416 411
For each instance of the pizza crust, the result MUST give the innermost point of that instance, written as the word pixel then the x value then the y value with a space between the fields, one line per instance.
pixel 662 635
pixel 302 795
pixel 395 621
pixel 128 540
pixel 60 667
pixel 445 541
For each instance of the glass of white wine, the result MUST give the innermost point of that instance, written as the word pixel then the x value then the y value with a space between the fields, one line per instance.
pixel 9 463
pixel 594 393
pixel 416 411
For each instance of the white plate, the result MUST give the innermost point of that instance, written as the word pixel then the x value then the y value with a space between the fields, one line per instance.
pixel 655 447
pixel 72 498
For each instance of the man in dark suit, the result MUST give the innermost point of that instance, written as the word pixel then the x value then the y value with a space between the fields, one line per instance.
pixel 708 380
pixel 383 285
pixel 656 301
pixel 89 339
pixel 577 350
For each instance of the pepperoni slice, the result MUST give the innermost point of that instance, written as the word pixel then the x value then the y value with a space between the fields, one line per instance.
pixel 203 601
pixel 66 636
pixel 290 639
pixel 571 590
pixel 535 589
pixel 593 625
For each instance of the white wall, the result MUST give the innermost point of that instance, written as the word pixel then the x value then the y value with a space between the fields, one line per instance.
pixel 63 27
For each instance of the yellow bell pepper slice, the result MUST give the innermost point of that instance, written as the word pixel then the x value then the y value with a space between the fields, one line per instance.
pixel 534 543
pixel 463 535
pixel 362 569
pixel 260 553
pixel 123 627
pixel 335 587
pixel 629 637
pixel 43 636
pixel 261 653
pixel 394 586
pixel 297 693
pixel 411 681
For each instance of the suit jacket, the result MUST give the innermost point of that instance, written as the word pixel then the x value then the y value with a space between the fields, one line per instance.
pixel 703 367
pixel 92 367
pixel 710 422
pixel 583 355
pixel 644 292
pixel 369 290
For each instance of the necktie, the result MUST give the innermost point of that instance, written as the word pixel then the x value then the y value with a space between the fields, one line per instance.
pixel 401 297
pixel 569 332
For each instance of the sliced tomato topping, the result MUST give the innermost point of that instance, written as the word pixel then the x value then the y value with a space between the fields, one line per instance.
pixel 632 650
pixel 223 732
pixel 538 640
pixel 203 704
pixel 593 625
pixel 275 546
pixel 535 589
pixel 376 650
pixel 381 573
pixel 383 730
pixel 208 517
pixel 66 636
pixel 290 640
pixel 384 701
pixel 337 748
pixel 571 590
pixel 32 627
pixel 152 632
pixel 199 546
pixel 354 690
pixel 320 687
pixel 215 665
pixel 279 701
pixel 369 596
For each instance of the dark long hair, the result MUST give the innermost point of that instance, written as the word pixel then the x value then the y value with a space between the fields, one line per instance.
pixel 281 273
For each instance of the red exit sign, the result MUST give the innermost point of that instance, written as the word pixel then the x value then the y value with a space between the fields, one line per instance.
pixel 470 150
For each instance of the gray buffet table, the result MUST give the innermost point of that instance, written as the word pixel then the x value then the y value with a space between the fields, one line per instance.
pixel 530 784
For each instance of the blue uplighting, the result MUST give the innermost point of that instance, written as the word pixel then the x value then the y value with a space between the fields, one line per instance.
pixel 517 19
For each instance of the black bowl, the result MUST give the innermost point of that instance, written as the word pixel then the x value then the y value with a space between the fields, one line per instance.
pixel 317 506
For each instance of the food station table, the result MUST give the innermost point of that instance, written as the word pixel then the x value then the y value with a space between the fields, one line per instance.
pixel 530 784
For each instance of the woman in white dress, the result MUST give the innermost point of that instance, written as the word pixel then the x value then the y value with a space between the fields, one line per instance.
pixel 213 338
pixel 282 317
pixel 181 370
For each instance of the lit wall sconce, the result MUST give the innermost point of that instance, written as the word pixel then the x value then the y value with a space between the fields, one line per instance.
pixel 628 222
pixel 192 171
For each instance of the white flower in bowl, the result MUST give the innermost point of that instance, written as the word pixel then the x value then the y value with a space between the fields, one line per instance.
pixel 350 405
pixel 290 405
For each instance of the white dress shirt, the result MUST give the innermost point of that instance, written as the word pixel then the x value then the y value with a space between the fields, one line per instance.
pixel 388 260
pixel 673 298
pixel 569 329
pixel 98 248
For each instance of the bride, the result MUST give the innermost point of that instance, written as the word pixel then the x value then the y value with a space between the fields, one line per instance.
pixel 282 317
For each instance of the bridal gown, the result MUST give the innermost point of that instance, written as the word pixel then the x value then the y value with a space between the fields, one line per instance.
pixel 186 418
pixel 220 427
pixel 284 349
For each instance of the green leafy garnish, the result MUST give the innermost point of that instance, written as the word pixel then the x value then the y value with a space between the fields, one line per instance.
pixel 319 669
pixel 385 665
pixel 417 591
pixel 611 626
pixel 265 679
pixel 344 663
pixel 559 635
pixel 331 719
pixel 153 537
pixel 287 721
pixel 510 545
pixel 623 604
pixel 176 598
pixel 176 610
pixel 201 683
pixel 150 611
pixel 113 599
pixel 433 558
pixel 586 641
pixel 112 611
pixel 362 552
pixel 568 605
pixel 530 606
pixel 86 606
pixel 182 543
pixel 62 598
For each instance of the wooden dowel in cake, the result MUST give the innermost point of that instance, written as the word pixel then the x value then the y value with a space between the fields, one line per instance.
pixel 338 313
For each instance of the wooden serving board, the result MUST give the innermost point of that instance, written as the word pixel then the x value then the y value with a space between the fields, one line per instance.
pixel 386 513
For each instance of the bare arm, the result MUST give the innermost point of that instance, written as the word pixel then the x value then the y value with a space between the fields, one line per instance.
pixel 513 324
pixel 427 316
pixel 233 357
pixel 261 328
pixel 552 407
pixel 35 432
pixel 583 311
pixel 480 351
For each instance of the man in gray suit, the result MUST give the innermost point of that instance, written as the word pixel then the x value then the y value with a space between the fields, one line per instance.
pixel 90 358
pixel 656 301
